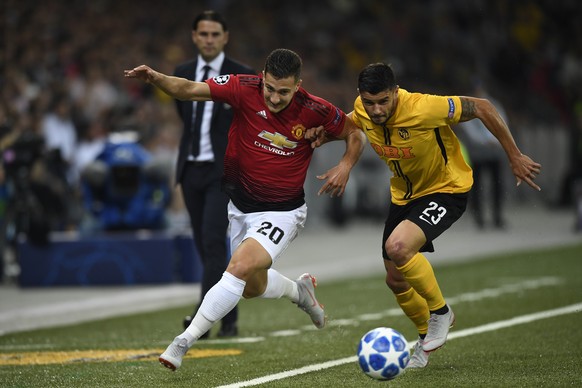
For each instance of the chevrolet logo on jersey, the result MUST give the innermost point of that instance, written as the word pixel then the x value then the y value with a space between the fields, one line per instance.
pixel 278 140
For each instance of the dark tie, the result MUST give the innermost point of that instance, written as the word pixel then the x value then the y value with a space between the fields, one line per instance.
pixel 198 119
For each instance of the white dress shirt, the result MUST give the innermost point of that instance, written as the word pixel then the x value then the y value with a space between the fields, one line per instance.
pixel 206 154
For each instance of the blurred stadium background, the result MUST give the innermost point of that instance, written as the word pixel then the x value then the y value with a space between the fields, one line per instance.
pixel 528 54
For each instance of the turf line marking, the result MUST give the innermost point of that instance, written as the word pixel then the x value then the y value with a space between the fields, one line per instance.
pixel 575 308
pixel 530 284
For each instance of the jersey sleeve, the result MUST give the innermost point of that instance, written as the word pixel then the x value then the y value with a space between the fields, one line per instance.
pixel 335 121
pixel 225 88
pixel 443 110
pixel 316 111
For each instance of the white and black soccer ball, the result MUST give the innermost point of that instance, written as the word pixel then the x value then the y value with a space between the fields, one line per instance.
pixel 383 353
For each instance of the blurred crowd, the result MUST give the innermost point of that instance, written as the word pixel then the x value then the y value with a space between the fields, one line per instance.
pixel 63 94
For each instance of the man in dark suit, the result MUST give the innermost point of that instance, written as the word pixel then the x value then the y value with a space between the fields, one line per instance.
pixel 200 160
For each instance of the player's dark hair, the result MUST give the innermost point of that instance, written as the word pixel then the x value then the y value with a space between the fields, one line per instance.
pixel 212 16
pixel 283 63
pixel 376 78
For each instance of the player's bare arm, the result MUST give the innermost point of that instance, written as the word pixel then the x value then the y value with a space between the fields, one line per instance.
pixel 337 177
pixel 522 166
pixel 179 88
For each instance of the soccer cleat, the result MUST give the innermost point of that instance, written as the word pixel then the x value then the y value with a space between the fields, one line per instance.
pixel 306 285
pixel 172 357
pixel 419 358
pixel 438 329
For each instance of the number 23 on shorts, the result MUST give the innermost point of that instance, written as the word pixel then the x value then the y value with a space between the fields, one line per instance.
pixel 433 213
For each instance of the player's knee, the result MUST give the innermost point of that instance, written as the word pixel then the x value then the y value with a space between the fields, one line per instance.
pixel 240 269
pixel 397 251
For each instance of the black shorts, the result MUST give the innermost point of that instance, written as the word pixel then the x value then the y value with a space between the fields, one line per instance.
pixel 433 213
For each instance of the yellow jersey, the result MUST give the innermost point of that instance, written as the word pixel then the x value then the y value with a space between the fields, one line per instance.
pixel 419 146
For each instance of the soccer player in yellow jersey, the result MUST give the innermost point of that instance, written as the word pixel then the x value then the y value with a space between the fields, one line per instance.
pixel 412 133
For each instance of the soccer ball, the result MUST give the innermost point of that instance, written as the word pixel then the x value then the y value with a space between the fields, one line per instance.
pixel 383 353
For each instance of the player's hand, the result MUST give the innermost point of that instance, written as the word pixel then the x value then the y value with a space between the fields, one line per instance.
pixel 317 136
pixel 336 180
pixel 526 170
pixel 142 72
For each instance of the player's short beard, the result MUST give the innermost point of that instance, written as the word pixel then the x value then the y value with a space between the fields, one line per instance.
pixel 383 119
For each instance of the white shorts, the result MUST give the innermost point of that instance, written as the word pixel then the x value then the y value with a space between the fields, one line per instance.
pixel 274 230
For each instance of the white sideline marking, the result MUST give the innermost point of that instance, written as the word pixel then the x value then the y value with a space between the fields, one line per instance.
pixel 575 308
pixel 528 284
pixel 285 333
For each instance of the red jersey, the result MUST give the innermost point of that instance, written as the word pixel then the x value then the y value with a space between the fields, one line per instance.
pixel 267 157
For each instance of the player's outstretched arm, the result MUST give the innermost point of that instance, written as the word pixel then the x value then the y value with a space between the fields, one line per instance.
pixel 179 88
pixel 522 166
pixel 337 177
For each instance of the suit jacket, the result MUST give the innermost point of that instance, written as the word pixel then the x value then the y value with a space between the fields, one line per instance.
pixel 222 115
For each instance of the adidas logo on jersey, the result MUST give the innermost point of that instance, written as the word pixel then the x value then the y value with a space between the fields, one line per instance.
pixel 262 113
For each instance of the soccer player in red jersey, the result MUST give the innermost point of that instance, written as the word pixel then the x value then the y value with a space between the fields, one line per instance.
pixel 265 168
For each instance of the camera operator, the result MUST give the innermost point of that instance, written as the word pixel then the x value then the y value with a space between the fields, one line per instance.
pixel 36 193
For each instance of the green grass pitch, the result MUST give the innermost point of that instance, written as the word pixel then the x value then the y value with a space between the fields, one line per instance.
pixel 534 345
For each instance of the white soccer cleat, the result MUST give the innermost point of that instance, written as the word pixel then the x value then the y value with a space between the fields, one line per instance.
pixel 419 358
pixel 438 329
pixel 306 285
pixel 172 357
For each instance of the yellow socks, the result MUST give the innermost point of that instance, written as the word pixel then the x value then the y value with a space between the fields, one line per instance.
pixel 415 308
pixel 419 274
